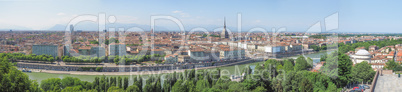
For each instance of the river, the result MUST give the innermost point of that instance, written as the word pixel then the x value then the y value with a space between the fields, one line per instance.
pixel 229 70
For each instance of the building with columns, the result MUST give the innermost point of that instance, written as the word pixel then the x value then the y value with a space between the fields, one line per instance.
pixel 360 56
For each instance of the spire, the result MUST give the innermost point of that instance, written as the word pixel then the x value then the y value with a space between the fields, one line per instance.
pixel 224 33
pixel 224 22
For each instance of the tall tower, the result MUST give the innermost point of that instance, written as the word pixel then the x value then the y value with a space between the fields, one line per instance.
pixel 71 29
pixel 224 33
pixel 72 34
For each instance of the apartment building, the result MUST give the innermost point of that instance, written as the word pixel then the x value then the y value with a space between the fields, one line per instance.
pixel 45 50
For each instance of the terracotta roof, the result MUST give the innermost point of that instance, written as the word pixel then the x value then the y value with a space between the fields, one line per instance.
pixel 399 54
pixel 85 48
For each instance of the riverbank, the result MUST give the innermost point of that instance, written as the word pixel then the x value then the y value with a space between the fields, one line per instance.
pixel 229 70
pixel 138 72
pixel 148 72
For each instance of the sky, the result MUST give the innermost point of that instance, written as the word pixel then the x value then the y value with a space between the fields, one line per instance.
pixel 294 15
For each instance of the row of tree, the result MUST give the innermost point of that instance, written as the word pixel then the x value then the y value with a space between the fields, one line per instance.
pixel 20 56
pixel 343 48
pixel 129 59
pixel 83 59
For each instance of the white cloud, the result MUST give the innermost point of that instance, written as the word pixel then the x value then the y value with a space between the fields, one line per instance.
pixel 176 11
pixel 61 14
pixel 181 13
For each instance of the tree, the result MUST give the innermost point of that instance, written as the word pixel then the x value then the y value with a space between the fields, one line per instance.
pixel 260 89
pixel 250 83
pixel 301 64
pixel 179 86
pixel 202 84
pixel 51 59
pixel 133 88
pixel 107 83
pixel 344 69
pixel 72 89
pixel 236 87
pixel 166 85
pixel 115 89
pixel 276 84
pixel 99 69
pixel 138 82
pixel 288 66
pixel 70 81
pixel 96 84
pixel 50 84
pixel 390 65
pixel 112 81
pixel 13 80
pixel 362 72
pixel 119 82
pixel 102 83
pixel 34 87
pixel 125 83
pixel 305 85
pixel 331 87
pixel 191 86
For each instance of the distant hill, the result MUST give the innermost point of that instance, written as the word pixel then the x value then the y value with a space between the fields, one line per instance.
pixel 88 26
pixel 12 27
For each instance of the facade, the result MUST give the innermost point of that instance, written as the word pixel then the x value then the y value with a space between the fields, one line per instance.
pixel 252 47
pixel 183 58
pixel 296 47
pixel 273 49
pixel 232 54
pixel 98 51
pixel 212 55
pixel 197 55
pixel 45 50
pixel 117 49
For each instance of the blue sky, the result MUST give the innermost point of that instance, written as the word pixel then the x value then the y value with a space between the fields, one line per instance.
pixel 295 15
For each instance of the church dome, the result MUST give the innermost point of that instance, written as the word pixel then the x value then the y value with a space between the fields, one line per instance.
pixel 363 52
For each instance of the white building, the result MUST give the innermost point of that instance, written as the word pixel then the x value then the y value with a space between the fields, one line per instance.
pixel 197 55
pixel 232 54
pixel 360 56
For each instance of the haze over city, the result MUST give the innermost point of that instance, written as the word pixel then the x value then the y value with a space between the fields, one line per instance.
pixel 296 16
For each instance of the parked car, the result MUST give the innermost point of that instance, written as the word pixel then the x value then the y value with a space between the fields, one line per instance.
pixel 364 86
pixel 357 89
